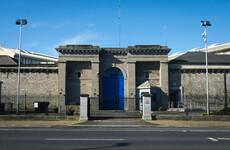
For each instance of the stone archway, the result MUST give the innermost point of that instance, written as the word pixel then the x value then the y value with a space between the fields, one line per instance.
pixel 113 89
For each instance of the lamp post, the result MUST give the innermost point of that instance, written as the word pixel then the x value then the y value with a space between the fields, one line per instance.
pixel 19 22
pixel 205 24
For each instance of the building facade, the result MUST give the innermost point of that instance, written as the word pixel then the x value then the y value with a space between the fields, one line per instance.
pixel 116 78
pixel 110 76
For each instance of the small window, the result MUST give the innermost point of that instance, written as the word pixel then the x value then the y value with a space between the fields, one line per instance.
pixel 147 74
pixel 79 74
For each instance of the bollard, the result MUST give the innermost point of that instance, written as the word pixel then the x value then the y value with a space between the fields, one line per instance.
pixel 147 107
pixel 84 107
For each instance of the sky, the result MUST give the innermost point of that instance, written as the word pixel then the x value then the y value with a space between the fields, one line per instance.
pixel 59 22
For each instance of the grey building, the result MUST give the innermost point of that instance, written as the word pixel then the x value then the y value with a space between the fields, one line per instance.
pixel 112 77
pixel 187 81
pixel 116 78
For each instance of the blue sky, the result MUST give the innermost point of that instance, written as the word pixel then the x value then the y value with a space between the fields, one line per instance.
pixel 59 22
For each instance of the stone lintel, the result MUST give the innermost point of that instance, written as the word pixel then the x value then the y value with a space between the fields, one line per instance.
pixel 147 95
pixel 84 95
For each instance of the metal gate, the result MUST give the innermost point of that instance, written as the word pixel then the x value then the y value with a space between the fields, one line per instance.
pixel 113 89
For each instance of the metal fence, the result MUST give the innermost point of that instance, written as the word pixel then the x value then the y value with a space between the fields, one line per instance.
pixel 202 105
pixel 191 104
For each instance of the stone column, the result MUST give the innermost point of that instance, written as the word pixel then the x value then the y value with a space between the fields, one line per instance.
pixel 61 86
pixel 182 95
pixel 94 99
pixel 131 91
pixel 1 91
pixel 164 84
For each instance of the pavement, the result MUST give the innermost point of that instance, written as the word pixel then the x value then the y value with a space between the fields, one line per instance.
pixel 36 123
pixel 116 123
pixel 124 123
pixel 164 119
pixel 191 124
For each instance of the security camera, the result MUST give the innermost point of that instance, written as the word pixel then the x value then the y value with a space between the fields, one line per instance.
pixel 203 35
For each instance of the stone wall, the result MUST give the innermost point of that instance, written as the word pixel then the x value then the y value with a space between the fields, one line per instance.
pixel 78 81
pixel 37 84
pixel 194 84
pixel 147 71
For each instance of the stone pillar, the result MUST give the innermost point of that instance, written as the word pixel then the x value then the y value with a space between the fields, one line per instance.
pixel 147 107
pixel 182 95
pixel 131 79
pixel 1 92
pixel 61 86
pixel 84 107
pixel 94 100
pixel 164 84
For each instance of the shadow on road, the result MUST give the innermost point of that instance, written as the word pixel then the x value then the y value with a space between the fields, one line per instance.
pixel 104 147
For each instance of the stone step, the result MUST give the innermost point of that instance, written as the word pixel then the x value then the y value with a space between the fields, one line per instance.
pixel 115 114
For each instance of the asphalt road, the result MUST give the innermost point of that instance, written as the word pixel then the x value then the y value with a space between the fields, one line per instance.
pixel 111 138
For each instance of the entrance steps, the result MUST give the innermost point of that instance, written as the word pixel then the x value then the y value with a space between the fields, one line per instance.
pixel 115 114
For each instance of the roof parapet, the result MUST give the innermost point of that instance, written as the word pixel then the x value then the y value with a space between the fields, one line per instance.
pixel 78 46
pixel 147 46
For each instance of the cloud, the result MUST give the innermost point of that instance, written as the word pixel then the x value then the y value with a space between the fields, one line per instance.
pixel 34 44
pixel 52 51
pixel 87 37
pixel 31 45
pixel 91 25
pixel 46 25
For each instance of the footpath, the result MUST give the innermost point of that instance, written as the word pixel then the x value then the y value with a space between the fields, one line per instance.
pixel 156 123
pixel 160 120
pixel 191 124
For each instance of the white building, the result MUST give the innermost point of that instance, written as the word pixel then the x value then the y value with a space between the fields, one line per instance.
pixel 219 49
pixel 28 57
pixel 223 48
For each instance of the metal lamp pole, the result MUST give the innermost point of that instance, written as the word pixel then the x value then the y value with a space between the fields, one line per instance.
pixel 206 23
pixel 19 22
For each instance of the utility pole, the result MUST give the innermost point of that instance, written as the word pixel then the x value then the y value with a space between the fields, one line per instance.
pixel 206 23
pixel 19 22
pixel 119 23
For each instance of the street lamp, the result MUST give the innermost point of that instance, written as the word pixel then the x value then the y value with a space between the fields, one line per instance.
pixel 206 23
pixel 19 22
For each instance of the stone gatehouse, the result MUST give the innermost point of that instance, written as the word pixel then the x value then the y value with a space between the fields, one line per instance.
pixel 113 77
pixel 116 78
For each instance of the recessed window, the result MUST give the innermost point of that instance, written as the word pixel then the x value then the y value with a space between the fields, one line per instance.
pixel 147 74
pixel 79 74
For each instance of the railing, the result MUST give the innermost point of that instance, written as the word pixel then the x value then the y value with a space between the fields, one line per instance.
pixel 195 105
pixel 203 105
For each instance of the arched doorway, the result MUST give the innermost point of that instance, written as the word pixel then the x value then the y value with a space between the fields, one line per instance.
pixel 113 89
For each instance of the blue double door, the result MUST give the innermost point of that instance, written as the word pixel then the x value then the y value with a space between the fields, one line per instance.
pixel 113 89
